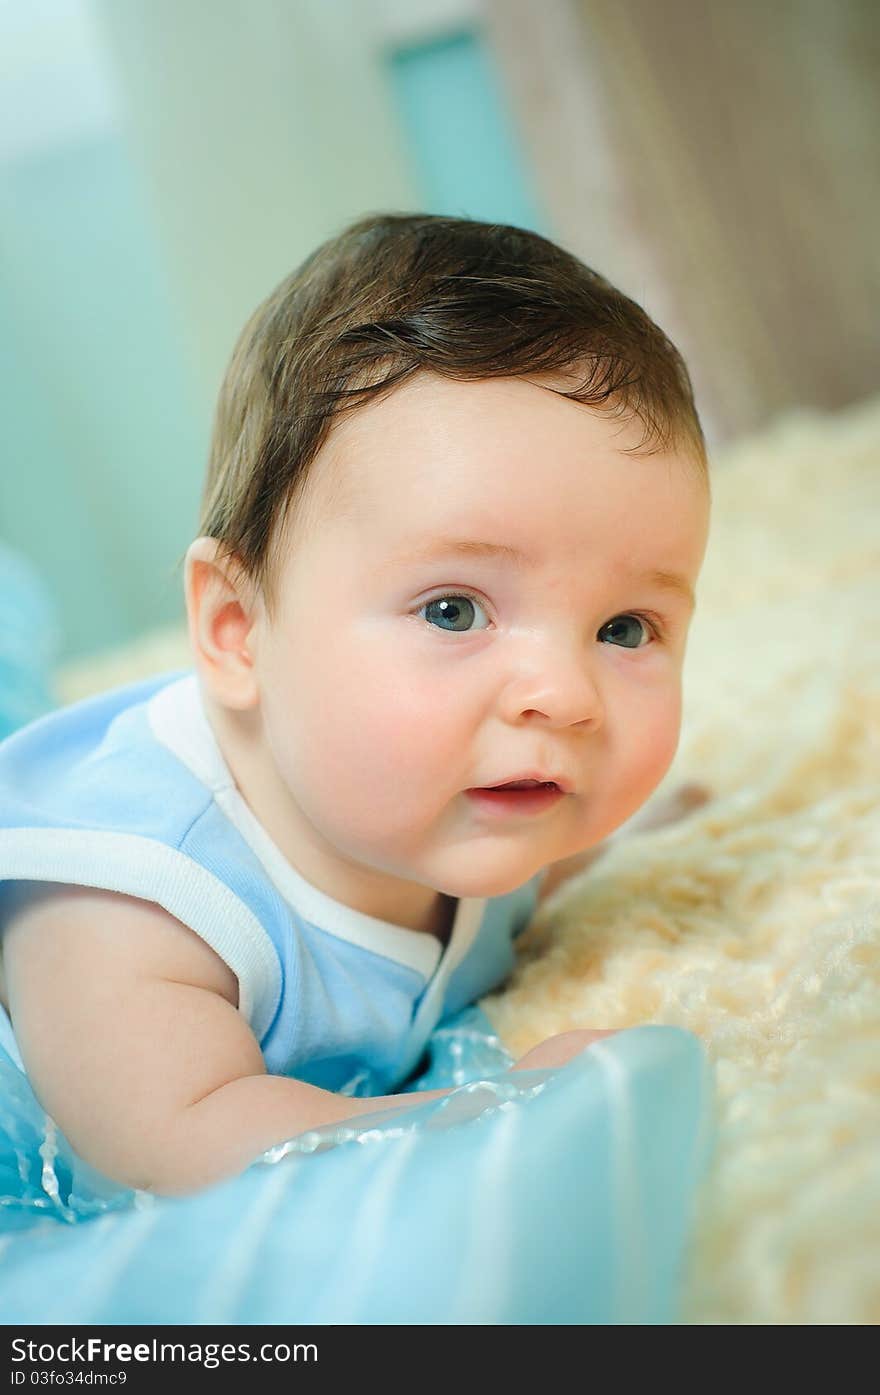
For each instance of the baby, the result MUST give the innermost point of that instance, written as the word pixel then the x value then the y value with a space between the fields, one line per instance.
pixel 456 508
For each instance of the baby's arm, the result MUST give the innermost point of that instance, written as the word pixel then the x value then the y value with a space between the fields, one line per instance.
pixel 129 1031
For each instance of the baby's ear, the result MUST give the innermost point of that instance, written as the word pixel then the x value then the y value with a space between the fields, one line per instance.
pixel 222 606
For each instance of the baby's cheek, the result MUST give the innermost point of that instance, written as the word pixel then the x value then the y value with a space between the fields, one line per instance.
pixel 379 746
pixel 419 741
pixel 656 748
pixel 650 748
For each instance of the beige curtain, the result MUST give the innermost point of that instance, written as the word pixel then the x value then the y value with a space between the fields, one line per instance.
pixel 723 159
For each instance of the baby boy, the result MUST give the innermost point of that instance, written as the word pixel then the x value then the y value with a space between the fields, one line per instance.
pixel 456 508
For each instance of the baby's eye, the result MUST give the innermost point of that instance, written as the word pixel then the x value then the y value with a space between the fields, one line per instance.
pixel 455 613
pixel 621 630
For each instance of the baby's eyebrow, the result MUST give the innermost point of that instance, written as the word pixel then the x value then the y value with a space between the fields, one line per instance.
pixel 472 547
pixel 463 547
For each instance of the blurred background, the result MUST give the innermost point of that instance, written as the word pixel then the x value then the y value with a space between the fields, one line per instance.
pixel 163 163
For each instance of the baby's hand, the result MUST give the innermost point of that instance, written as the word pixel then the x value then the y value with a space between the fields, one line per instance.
pixel 558 1050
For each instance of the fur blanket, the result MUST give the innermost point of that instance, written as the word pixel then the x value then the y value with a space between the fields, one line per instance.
pixel 755 922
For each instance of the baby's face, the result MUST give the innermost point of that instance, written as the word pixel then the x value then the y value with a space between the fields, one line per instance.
pixel 403 669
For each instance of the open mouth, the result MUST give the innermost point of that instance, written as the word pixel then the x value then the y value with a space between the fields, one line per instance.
pixel 525 785
pixel 517 797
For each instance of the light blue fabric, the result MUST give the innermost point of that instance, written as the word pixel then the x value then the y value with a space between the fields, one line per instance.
pixel 90 795
pixel 524 1197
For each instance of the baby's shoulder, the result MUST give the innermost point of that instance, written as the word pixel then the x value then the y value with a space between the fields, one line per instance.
pixel 74 932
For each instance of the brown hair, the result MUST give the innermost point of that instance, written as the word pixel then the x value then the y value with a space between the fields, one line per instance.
pixel 395 293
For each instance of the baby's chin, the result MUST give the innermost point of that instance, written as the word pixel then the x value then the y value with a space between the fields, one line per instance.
pixel 487 881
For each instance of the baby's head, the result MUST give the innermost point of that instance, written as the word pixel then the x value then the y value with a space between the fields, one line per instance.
pixel 456 500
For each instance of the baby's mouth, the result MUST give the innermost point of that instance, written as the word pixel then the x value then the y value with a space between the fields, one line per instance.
pixel 525 785
pixel 516 797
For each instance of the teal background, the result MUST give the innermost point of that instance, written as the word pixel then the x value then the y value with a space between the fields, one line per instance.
pixel 458 127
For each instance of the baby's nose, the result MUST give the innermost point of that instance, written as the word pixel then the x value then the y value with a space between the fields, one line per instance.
pixel 563 692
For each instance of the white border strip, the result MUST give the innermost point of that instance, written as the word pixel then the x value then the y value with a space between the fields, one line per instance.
pixel 143 867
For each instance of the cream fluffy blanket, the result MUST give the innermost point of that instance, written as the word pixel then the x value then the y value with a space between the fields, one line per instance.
pixel 756 921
